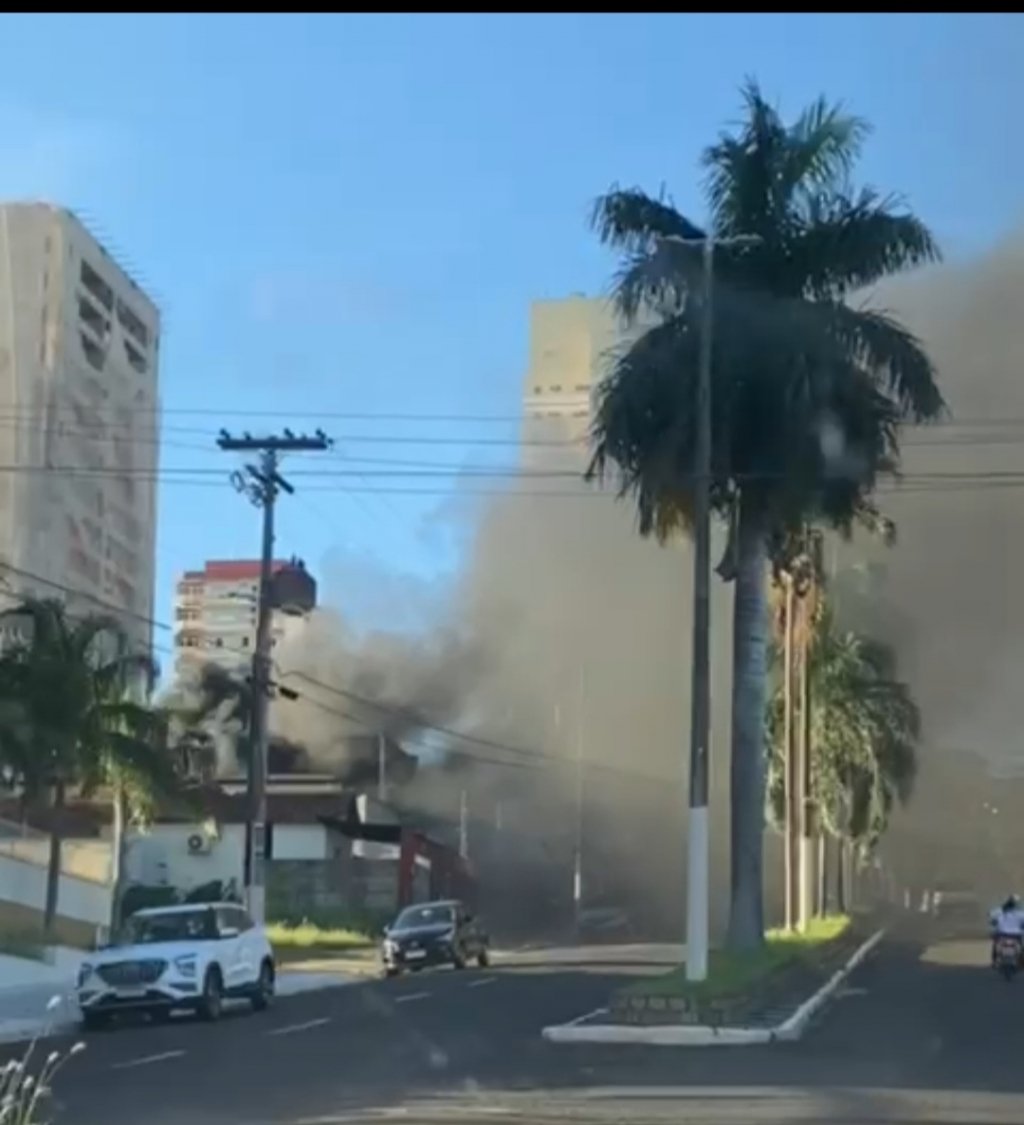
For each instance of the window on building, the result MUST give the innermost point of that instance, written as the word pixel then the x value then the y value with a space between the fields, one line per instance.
pixel 132 323
pixel 95 285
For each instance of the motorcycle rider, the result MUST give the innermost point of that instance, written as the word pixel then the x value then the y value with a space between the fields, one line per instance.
pixel 1006 921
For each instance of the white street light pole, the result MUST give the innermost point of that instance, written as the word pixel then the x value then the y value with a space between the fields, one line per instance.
pixel 698 848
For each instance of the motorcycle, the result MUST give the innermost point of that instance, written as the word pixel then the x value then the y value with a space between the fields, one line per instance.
pixel 1008 956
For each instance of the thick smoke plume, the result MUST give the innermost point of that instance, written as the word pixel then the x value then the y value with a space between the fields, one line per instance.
pixel 567 634
pixel 948 595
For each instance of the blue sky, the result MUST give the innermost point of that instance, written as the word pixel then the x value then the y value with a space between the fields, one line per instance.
pixel 351 214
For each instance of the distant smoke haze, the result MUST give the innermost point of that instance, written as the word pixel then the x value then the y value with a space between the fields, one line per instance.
pixel 564 626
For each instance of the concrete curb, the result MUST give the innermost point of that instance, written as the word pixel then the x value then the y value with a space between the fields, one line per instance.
pixel 701 1036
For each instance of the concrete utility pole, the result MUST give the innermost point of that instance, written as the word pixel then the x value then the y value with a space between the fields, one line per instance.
pixel 262 483
pixel 698 849
pixel 463 823
pixel 382 768
pixel 698 844
pixel 809 567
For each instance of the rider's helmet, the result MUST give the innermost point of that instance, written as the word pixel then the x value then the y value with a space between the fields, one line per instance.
pixel 1010 904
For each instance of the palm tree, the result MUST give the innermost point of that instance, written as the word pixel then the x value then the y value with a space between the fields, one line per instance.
pixel 808 392
pixel 70 722
pixel 865 727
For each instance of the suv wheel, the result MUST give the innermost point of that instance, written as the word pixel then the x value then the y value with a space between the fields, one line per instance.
pixel 213 995
pixel 264 992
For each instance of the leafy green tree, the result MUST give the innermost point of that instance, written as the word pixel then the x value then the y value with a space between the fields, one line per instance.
pixel 808 389
pixel 73 718
pixel 864 732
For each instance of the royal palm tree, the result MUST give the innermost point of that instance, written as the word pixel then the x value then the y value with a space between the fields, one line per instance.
pixel 808 390
pixel 865 728
pixel 74 719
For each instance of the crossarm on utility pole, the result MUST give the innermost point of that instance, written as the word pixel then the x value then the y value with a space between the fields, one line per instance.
pixel 262 487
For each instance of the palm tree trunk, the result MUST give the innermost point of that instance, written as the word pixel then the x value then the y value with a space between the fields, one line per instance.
pixel 117 850
pixel 53 866
pixel 747 768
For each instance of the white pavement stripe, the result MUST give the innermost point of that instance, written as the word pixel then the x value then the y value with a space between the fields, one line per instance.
pixel 690 1093
pixel 583 1018
pixel 481 981
pixel 411 996
pixel 147 1059
pixel 288 1029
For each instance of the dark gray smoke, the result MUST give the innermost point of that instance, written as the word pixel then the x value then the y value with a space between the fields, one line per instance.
pixel 567 634
pixel 947 596
pixel 383 683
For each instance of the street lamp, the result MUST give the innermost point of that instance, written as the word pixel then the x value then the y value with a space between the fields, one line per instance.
pixel 698 849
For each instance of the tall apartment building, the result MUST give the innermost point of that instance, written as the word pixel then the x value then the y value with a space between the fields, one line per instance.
pixel 79 417
pixel 572 343
pixel 215 614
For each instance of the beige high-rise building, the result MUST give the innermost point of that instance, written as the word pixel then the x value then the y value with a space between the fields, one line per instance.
pixel 573 341
pixel 79 418
pixel 215 611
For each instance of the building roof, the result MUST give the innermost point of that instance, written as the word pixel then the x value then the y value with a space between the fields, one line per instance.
pixel 234 570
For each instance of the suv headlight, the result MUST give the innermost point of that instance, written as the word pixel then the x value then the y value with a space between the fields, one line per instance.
pixel 186 965
pixel 84 973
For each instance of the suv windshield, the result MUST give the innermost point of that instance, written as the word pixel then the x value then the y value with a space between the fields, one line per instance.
pixel 414 916
pixel 180 925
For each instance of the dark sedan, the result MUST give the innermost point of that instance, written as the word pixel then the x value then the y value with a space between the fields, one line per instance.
pixel 434 933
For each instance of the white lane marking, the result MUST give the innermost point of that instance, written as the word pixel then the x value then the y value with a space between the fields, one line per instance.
pixel 481 981
pixel 589 1015
pixel 411 996
pixel 146 1059
pixel 291 1027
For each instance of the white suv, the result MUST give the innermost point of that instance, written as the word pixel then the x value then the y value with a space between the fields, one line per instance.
pixel 193 956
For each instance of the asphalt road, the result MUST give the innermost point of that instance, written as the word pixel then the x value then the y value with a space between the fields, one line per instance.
pixel 923 1033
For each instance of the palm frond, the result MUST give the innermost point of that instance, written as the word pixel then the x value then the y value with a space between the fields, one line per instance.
pixel 659 280
pixel 645 427
pixel 824 145
pixel 894 355
pixel 742 168
pixel 845 243
pixel 633 221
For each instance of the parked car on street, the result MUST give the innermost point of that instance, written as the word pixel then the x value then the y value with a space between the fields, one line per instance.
pixel 434 933
pixel 191 956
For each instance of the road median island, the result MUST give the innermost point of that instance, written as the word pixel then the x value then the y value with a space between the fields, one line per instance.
pixel 741 987
pixel 747 998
